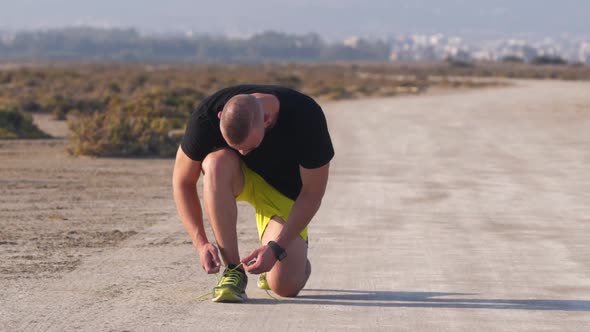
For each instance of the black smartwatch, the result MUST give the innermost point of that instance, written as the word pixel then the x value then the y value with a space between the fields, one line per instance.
pixel 279 252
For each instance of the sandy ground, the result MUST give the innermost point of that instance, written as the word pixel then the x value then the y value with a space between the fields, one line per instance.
pixel 466 211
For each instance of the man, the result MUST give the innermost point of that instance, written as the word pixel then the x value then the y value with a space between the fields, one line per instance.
pixel 269 146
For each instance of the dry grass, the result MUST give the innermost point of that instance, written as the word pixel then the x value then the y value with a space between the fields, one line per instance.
pixel 126 110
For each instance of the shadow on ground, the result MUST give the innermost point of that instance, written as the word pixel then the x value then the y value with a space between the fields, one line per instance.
pixel 327 297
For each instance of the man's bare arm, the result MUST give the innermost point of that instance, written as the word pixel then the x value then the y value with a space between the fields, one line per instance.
pixel 188 205
pixel 306 205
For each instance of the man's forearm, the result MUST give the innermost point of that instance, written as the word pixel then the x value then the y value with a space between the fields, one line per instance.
pixel 305 207
pixel 191 214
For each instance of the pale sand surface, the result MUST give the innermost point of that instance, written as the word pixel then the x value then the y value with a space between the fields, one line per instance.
pixel 467 211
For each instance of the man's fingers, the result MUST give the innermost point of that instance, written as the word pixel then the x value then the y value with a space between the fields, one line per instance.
pixel 215 257
pixel 253 268
pixel 210 266
pixel 214 269
pixel 250 257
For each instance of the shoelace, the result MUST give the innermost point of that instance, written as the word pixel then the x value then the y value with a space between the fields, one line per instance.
pixel 231 277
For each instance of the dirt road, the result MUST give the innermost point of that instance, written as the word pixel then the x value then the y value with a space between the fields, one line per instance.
pixel 466 211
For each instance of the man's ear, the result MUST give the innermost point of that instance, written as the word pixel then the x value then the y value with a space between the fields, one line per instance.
pixel 265 117
pixel 219 115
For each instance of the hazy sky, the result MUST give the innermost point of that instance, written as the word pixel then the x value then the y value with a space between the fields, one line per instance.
pixel 330 18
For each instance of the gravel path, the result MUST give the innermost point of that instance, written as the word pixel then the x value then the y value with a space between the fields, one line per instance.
pixel 465 211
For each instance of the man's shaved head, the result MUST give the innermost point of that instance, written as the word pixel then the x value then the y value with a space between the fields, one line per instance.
pixel 240 114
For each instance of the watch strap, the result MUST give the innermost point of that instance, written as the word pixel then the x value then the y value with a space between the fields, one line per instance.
pixel 279 252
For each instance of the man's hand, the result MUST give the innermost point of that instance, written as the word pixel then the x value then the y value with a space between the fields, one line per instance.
pixel 209 258
pixel 265 260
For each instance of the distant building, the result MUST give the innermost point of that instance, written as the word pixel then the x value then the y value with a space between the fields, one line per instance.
pixel 7 38
pixel 352 42
pixel 421 47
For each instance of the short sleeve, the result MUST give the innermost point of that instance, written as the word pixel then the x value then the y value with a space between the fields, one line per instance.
pixel 199 138
pixel 313 139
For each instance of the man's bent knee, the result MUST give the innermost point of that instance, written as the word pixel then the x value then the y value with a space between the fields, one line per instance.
pixel 222 166
pixel 286 288
pixel 221 161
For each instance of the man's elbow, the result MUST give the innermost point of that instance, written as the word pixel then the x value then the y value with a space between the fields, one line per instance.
pixel 177 182
pixel 182 185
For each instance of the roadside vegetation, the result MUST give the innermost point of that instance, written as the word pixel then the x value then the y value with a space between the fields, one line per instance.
pixel 16 124
pixel 141 110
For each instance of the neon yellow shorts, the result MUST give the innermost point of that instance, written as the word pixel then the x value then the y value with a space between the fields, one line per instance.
pixel 266 200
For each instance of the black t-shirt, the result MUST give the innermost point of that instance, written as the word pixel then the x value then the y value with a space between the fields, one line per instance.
pixel 299 137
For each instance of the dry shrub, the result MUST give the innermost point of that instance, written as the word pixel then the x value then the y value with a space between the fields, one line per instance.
pixel 143 126
pixel 141 110
pixel 16 124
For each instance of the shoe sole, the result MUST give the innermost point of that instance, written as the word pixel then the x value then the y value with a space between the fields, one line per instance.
pixel 228 296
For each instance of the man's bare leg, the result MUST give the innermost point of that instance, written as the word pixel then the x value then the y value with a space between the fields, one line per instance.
pixel 223 181
pixel 288 276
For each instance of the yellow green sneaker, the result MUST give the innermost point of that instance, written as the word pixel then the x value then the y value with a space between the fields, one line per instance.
pixel 262 283
pixel 231 287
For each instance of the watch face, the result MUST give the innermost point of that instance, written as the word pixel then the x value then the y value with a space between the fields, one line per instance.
pixel 279 252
